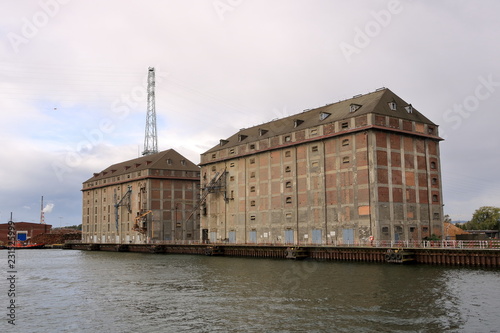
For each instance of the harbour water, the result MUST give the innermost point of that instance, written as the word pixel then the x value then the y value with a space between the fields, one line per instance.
pixel 80 291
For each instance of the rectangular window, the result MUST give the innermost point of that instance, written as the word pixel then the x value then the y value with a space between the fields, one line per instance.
pixel 314 148
pixel 344 125
pixel 345 142
pixel 345 159
pixel 288 138
pixel 288 153
pixel 252 203
pixel 252 161
pixel 252 146
pixel 252 174
pixel 313 131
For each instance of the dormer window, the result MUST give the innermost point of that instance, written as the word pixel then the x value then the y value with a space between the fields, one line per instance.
pixel 297 122
pixel 169 161
pixel 223 142
pixel 183 162
pixel 354 107
pixel 324 115
pixel 393 106
pixel 409 108
pixel 242 137
pixel 262 131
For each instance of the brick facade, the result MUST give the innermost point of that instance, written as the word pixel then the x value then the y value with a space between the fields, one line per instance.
pixel 24 230
pixel 328 175
pixel 166 183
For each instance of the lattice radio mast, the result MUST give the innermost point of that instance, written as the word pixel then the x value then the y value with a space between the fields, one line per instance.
pixel 151 138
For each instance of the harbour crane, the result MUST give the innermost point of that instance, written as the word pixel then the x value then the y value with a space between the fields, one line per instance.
pixel 140 222
pixel 124 201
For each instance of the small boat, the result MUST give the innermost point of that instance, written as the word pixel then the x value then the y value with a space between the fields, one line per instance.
pixel 27 246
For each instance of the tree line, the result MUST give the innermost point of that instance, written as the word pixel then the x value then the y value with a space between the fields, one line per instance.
pixel 484 218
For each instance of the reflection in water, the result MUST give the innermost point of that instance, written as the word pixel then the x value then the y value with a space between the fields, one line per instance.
pixel 72 291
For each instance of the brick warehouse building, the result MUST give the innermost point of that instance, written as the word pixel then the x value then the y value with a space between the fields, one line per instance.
pixel 346 172
pixel 147 198
pixel 24 231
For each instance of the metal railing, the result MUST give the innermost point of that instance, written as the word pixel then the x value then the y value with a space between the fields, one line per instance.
pixel 493 244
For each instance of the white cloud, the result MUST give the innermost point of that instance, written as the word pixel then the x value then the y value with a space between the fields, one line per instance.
pixel 48 208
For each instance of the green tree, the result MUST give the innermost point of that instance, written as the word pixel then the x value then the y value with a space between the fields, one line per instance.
pixel 484 218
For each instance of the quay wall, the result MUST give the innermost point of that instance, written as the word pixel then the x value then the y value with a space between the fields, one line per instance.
pixel 429 256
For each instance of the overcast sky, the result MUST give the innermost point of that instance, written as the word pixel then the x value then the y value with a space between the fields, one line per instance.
pixel 73 82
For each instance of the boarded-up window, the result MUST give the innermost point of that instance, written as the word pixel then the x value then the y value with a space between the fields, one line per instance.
pixel 363 210
pixel 419 127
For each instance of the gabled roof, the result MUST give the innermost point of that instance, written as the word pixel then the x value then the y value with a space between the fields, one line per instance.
pixel 165 160
pixel 377 102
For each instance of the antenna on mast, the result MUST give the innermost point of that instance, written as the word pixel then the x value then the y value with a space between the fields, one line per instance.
pixel 150 137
